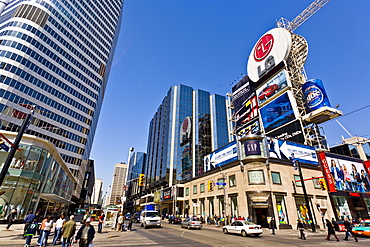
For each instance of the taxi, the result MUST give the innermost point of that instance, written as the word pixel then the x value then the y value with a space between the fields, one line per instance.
pixel 363 229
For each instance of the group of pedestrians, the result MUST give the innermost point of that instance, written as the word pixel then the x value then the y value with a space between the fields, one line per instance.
pixel 65 231
pixel 121 226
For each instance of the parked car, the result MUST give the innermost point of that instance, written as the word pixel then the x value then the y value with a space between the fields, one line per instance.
pixel 176 221
pixel 244 228
pixel 192 223
pixel 363 229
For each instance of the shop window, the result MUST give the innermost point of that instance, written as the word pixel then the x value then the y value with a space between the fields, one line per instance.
pixel 275 177
pixel 299 183
pixel 195 187
pixel 232 181
pixel 281 209
pixel 201 188
pixel 256 177
pixel 302 210
pixel 187 191
pixel 234 206
pixel 220 180
pixel 341 207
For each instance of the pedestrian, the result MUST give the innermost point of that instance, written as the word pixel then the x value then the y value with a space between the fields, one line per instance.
pixel 300 226
pixel 273 225
pixel 349 226
pixel 30 231
pixel 85 234
pixel 69 230
pixel 130 221
pixel 47 224
pixel 331 230
pixel 58 229
pixel 11 218
pixel 100 224
pixel 28 221
pixel 121 220
pixel 86 216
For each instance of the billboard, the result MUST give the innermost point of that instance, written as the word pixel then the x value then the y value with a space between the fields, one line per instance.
pixel 247 113
pixel 286 150
pixel 290 132
pixel 315 95
pixel 347 174
pixel 277 113
pixel 272 87
pixel 242 92
pixel 221 156
pixel 271 49
pixel 252 128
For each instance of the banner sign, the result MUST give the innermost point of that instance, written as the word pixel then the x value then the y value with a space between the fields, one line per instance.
pixel 221 156
pixel 290 132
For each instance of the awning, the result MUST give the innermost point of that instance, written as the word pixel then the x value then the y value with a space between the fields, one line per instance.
pixel 55 198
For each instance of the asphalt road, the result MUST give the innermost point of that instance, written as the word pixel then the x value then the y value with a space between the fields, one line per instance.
pixel 174 235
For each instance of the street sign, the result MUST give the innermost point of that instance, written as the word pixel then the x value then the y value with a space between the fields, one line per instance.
pixel 217 183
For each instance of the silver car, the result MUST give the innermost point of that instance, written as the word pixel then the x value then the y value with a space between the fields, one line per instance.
pixel 191 223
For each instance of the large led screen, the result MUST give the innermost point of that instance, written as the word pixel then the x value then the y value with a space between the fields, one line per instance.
pixel 277 113
pixel 348 174
pixel 272 88
pixel 290 132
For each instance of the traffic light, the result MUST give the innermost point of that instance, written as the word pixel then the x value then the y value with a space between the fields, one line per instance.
pixel 141 179
pixel 210 185
pixel 323 184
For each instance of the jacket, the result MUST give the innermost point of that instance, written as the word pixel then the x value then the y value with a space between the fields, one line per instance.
pixel 31 229
pixel 29 218
pixel 69 229
pixel 90 233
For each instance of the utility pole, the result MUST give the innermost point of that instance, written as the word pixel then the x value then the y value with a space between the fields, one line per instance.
pixel 15 147
pixel 225 199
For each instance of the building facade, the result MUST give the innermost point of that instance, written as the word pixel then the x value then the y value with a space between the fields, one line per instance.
pixel 96 198
pixel 38 179
pixel 188 125
pixel 118 182
pixel 56 55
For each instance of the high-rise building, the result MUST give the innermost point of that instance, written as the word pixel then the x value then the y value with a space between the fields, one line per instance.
pixel 136 167
pixel 188 125
pixel 118 182
pixel 56 55
pixel 96 198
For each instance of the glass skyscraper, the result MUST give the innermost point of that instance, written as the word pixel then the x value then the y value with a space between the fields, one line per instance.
pixel 188 125
pixel 56 55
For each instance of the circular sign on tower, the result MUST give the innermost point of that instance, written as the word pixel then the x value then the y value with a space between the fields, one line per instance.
pixel 272 48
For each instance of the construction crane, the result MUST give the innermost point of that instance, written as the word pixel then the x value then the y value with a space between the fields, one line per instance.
pixel 302 17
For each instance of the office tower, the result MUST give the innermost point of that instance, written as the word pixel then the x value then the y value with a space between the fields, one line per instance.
pixel 119 180
pixel 188 125
pixel 96 198
pixel 56 55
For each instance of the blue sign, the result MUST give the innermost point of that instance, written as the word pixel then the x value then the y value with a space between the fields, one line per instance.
pixel 217 183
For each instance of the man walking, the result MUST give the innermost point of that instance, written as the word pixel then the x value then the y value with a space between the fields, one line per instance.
pixel 273 225
pixel 85 234
pixel 11 218
pixel 100 224
pixel 30 231
pixel 349 225
pixel 69 230
pixel 58 229
pixel 27 221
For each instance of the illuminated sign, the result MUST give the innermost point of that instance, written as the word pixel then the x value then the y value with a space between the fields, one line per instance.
pixel 272 48
pixel 221 156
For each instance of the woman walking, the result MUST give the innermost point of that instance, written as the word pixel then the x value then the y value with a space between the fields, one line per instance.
pixel 300 226
pixel 331 230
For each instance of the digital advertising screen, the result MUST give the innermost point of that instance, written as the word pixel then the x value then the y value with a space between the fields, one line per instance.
pixel 242 92
pixel 252 128
pixel 247 112
pixel 272 88
pixel 291 132
pixel 277 113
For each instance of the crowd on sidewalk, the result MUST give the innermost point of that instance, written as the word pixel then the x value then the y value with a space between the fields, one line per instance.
pixel 65 232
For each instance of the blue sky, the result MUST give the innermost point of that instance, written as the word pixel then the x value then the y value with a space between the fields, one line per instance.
pixel 205 44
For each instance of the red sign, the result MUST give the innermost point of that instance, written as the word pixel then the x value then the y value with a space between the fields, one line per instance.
pixel 326 170
pixel 263 47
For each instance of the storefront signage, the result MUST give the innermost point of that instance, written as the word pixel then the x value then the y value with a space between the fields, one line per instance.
pixel 326 170
pixel 272 48
pixel 167 194
pixel 252 147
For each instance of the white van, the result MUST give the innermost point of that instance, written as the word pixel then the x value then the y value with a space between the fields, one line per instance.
pixel 150 218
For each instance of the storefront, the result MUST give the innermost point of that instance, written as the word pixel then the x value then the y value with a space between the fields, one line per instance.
pixel 37 180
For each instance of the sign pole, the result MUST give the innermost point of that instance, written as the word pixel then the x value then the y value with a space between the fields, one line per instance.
pixel 14 148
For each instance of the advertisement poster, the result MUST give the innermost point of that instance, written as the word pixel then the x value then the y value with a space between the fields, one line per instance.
pixel 247 113
pixel 252 128
pixel 221 156
pixel 348 174
pixel 277 113
pixel 292 151
pixel 242 92
pixel 272 88
pixel 290 132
